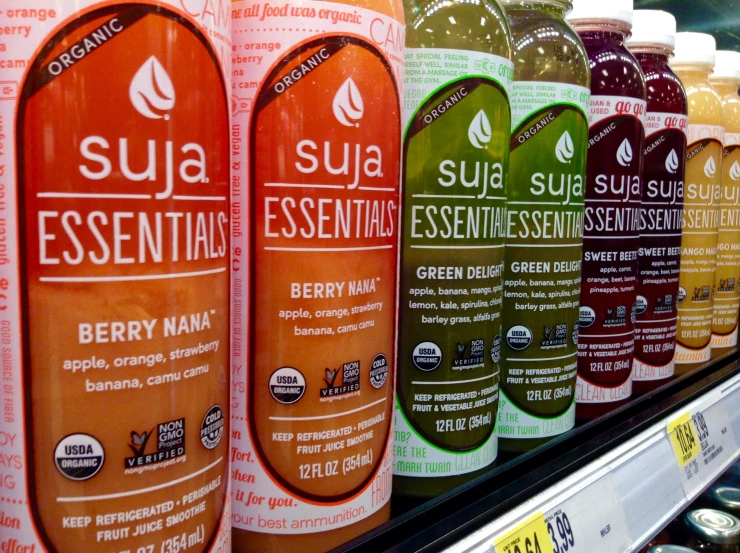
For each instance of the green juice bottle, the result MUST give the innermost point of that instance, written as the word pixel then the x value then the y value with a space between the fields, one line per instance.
pixel 457 123
pixel 547 167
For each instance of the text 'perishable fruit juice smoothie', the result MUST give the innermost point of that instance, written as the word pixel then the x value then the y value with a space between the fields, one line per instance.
pixel 316 151
pixel 693 62
pixel 726 80
pixel 550 103
pixel 456 121
pixel 114 275
pixel 652 41
pixel 612 213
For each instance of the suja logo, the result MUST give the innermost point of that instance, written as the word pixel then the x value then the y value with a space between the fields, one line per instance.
pixel 624 153
pixel 735 171
pixel 671 162
pixel 479 131
pixel 564 150
pixel 151 91
pixel 710 168
pixel 347 105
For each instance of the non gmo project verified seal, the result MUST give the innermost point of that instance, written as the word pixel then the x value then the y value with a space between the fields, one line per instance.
pixel 170 444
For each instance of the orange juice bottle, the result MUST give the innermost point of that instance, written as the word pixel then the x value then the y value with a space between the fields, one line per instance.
pixel 114 277
pixel 726 80
pixel 316 150
pixel 693 62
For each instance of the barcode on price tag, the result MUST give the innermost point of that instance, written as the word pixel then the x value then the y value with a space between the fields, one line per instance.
pixel 531 536
pixel 684 440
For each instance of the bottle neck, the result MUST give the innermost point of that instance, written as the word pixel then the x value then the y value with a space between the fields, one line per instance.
pixel 558 7
pixel 725 86
pixel 593 31
pixel 651 52
pixel 692 70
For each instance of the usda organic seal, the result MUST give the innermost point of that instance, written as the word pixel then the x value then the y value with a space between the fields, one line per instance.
pixel 287 385
pixel 642 304
pixel 79 457
pixel 587 316
pixel 427 356
pixel 519 337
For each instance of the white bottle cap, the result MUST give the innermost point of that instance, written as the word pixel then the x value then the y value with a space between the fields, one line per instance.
pixel 694 48
pixel 603 10
pixel 653 27
pixel 727 65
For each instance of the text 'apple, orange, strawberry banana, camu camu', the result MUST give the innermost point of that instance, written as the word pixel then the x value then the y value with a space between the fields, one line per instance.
pixel 316 150
pixel 115 275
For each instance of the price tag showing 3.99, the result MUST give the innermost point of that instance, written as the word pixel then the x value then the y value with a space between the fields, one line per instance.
pixel 531 536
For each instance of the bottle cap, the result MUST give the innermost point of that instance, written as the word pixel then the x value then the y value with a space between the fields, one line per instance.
pixel 653 27
pixel 727 65
pixel 726 498
pixel 670 549
pixel 601 10
pixel 694 48
pixel 714 527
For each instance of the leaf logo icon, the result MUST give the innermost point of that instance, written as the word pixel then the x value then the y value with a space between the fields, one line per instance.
pixel 151 91
pixel 735 171
pixel 564 150
pixel 624 153
pixel 479 131
pixel 671 162
pixel 710 168
pixel 348 106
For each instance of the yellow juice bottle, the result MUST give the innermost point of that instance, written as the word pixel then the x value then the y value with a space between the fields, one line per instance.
pixel 693 63
pixel 726 80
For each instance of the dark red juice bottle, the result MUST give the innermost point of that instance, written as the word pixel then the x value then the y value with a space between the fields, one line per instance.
pixel 652 42
pixel 611 237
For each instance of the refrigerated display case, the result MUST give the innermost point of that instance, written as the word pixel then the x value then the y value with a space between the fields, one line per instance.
pixel 611 484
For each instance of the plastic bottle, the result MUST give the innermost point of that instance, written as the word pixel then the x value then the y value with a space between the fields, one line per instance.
pixel 652 41
pixel 456 150
pixel 316 149
pixel 114 221
pixel 726 80
pixel 693 62
pixel 550 104
pixel 612 213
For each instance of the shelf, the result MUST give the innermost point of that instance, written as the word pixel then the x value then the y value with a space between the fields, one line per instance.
pixel 617 479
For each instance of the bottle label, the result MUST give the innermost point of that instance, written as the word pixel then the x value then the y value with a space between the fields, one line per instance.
pixel 542 279
pixel 456 119
pixel 699 243
pixel 114 218
pixel 320 112
pixel 660 246
pixel 611 241
pixel 727 281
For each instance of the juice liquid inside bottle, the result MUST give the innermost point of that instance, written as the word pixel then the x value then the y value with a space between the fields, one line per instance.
pixel 115 220
pixel 693 62
pixel 652 42
pixel 550 106
pixel 612 212
pixel 725 80
pixel 317 149
pixel 455 169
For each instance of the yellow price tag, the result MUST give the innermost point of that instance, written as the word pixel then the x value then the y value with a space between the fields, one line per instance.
pixel 685 444
pixel 531 536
